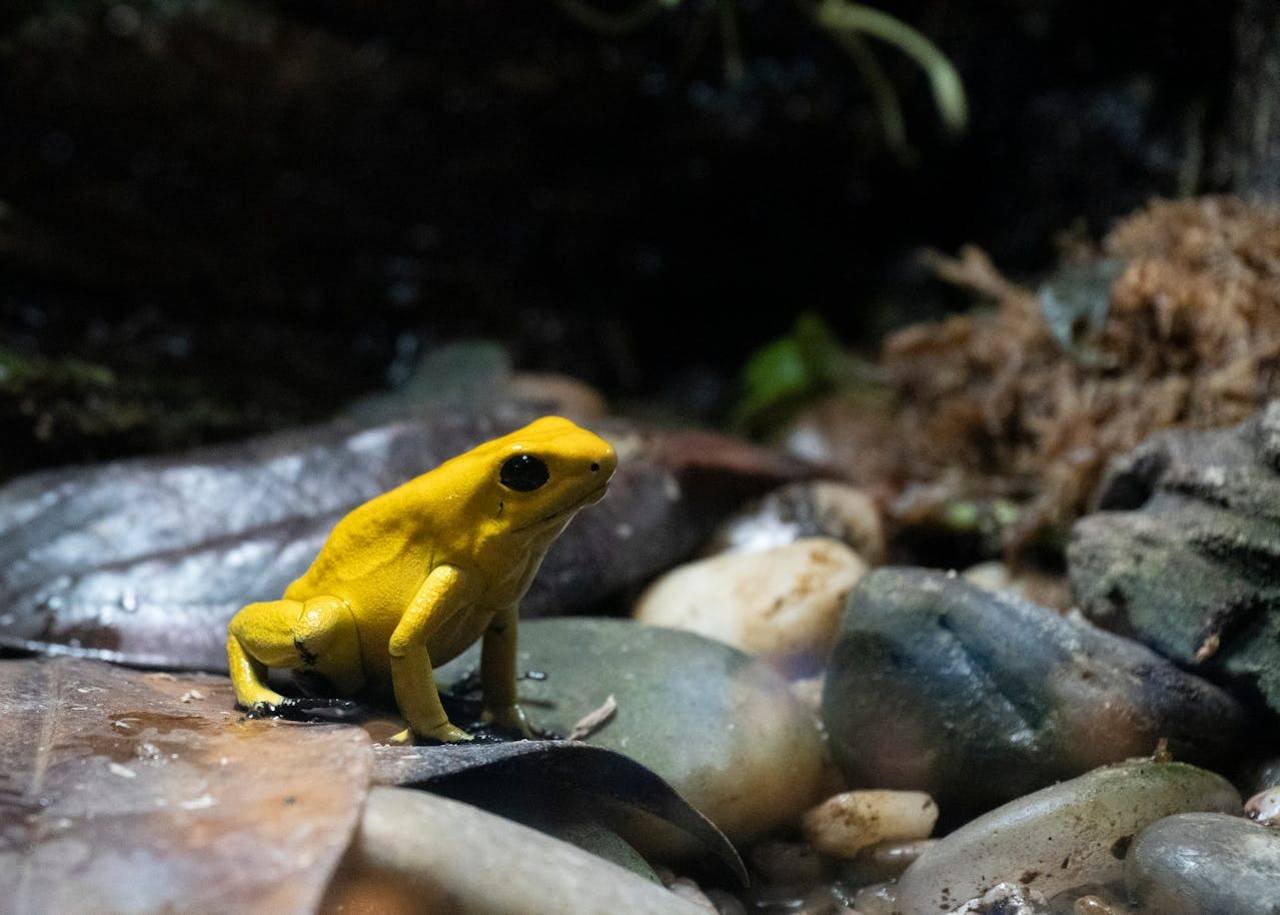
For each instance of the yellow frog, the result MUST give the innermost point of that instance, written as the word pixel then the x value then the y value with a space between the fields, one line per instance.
pixel 413 577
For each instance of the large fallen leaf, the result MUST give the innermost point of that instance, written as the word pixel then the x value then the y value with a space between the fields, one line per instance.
pixel 145 560
pixel 556 783
pixel 129 792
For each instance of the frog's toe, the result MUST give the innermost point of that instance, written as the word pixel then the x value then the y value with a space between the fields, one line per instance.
pixel 449 733
pixel 445 733
pixel 262 709
pixel 509 718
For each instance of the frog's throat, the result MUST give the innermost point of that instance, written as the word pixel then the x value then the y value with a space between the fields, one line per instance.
pixel 588 499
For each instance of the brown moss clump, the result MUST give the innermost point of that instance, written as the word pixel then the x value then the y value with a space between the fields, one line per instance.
pixel 1191 337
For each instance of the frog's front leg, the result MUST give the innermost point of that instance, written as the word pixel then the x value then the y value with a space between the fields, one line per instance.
pixel 442 595
pixel 498 673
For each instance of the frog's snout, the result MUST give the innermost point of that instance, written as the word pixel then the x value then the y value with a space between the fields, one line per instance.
pixel 605 464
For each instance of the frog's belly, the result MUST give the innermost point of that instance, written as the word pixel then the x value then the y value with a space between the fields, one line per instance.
pixel 445 642
pixel 457 635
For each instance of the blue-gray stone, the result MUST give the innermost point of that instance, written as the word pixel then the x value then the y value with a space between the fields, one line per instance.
pixel 978 698
pixel 1205 864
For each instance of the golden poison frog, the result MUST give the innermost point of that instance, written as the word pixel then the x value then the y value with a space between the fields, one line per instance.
pixel 413 577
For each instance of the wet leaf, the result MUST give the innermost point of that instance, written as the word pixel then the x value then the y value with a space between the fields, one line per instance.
pixel 799 365
pixel 540 781
pixel 146 793
pixel 144 561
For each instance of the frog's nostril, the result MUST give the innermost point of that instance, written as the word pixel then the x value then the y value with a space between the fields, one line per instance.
pixel 595 467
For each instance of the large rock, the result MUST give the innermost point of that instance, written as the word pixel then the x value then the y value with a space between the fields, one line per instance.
pixel 721 727
pixel 1184 552
pixel 940 686
pixel 1197 863
pixel 416 852
pixel 782 604
pixel 1072 835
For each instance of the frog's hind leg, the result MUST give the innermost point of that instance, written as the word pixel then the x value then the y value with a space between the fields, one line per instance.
pixel 318 635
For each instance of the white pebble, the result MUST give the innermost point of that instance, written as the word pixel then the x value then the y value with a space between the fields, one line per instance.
pixel 1264 807
pixel 847 823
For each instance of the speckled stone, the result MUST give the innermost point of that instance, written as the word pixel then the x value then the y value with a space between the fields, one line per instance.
pixel 1074 834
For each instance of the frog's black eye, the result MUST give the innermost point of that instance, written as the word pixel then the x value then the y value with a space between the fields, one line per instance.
pixel 524 473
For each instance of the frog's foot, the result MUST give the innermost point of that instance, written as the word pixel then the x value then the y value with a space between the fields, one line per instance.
pixel 445 733
pixel 297 708
pixel 259 702
pixel 263 709
pixel 508 718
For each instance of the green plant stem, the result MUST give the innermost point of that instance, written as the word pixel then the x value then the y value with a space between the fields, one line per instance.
pixel 843 17
pixel 892 121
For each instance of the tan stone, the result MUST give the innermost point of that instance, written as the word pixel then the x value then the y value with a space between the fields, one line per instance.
pixel 781 604
pixel 847 823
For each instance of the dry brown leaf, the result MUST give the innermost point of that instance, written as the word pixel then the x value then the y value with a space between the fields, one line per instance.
pixel 117 795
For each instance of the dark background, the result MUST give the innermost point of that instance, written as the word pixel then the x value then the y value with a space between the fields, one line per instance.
pixel 218 217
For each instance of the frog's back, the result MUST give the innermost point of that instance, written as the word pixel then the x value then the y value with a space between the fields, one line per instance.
pixel 379 548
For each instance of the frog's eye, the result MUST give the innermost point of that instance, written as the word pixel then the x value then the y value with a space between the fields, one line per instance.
pixel 524 473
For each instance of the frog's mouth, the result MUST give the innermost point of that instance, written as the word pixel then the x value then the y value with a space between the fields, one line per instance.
pixel 589 499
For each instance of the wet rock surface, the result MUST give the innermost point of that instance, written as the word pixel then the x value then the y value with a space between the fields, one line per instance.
pixel 782 604
pixel 1198 863
pixel 1072 835
pixel 939 686
pixel 718 725
pixel 1184 550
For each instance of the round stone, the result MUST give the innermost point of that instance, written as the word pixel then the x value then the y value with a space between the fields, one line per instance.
pixel 1205 862
pixel 720 726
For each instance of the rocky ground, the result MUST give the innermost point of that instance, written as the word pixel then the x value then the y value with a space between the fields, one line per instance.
pixel 748 703
pixel 986 621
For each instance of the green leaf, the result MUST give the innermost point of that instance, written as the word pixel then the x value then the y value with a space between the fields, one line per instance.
pixel 806 361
